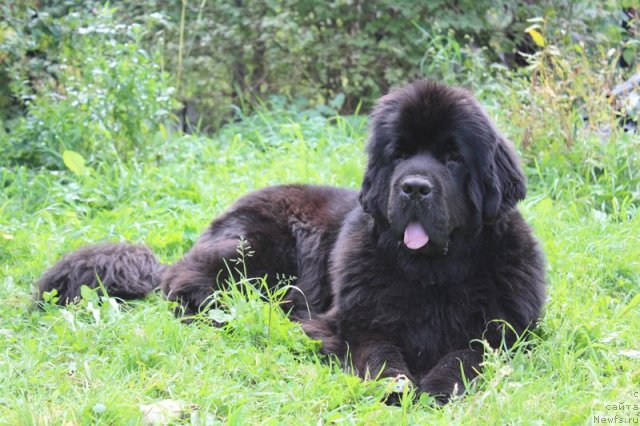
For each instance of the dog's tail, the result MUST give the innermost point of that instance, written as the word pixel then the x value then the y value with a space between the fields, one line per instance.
pixel 126 271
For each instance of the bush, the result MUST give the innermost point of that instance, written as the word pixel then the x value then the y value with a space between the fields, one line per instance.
pixel 225 56
pixel 108 99
pixel 569 127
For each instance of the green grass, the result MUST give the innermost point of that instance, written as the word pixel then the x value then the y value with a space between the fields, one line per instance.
pixel 98 364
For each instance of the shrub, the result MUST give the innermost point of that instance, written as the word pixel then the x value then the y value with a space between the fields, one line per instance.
pixel 224 56
pixel 109 98
pixel 570 128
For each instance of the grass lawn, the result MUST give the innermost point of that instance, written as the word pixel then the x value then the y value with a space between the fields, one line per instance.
pixel 100 364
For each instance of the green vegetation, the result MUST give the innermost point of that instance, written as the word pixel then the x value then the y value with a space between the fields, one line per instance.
pixel 145 181
pixel 224 55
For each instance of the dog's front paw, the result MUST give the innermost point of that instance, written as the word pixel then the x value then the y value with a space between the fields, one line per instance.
pixel 441 387
pixel 448 378
pixel 399 386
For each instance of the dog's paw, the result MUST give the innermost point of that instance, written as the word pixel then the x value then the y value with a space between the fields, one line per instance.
pixel 398 388
pixel 440 390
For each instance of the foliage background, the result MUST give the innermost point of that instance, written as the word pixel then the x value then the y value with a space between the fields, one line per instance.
pixel 225 56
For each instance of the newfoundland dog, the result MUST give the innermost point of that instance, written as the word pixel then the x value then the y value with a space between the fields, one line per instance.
pixel 403 279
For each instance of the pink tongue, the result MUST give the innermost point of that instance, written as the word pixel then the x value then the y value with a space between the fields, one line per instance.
pixel 415 236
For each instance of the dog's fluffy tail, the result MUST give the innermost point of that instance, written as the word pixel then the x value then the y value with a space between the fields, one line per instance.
pixel 126 271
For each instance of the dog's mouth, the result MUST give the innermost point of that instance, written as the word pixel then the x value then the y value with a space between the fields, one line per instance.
pixel 415 236
pixel 418 228
pixel 423 238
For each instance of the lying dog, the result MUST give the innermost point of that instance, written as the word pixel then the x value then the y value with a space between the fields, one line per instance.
pixel 406 275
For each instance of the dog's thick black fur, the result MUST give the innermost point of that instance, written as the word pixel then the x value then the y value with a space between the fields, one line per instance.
pixel 405 276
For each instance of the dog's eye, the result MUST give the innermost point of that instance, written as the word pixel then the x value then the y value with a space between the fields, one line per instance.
pixel 399 155
pixel 394 152
pixel 453 157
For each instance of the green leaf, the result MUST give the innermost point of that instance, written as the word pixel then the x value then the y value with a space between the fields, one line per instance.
pixel 163 131
pixel 86 293
pixel 220 316
pixel 74 162
pixel 635 301
pixel 338 101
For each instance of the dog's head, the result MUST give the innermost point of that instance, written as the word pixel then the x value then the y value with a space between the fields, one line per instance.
pixel 437 167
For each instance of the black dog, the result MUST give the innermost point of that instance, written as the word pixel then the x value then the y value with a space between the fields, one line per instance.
pixel 432 255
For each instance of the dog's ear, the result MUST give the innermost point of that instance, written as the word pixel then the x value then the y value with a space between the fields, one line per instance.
pixel 371 196
pixel 373 192
pixel 503 180
pixel 365 191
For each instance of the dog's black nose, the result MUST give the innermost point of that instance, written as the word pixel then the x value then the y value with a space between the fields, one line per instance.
pixel 416 187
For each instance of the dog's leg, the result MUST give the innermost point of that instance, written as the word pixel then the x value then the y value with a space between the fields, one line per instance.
pixel 193 279
pixel 449 375
pixel 375 358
